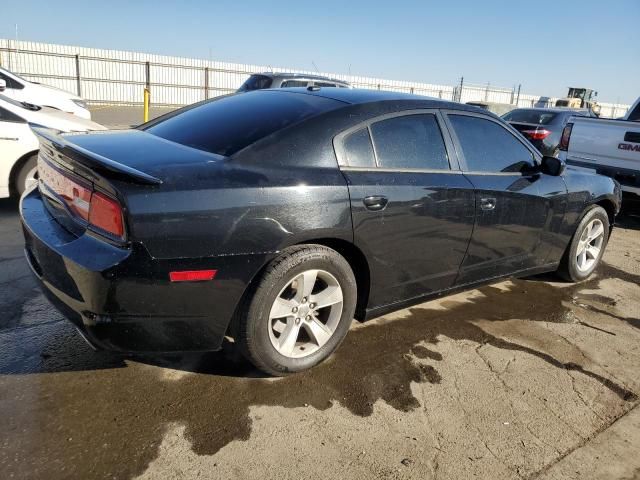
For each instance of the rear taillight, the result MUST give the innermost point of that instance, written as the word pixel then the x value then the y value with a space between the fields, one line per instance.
pixel 537 134
pixel 106 214
pixel 95 208
pixel 566 136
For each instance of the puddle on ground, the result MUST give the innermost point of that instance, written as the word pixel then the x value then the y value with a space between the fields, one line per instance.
pixel 86 420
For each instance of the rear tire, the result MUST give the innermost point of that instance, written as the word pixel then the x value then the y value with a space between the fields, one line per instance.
pixel 587 246
pixel 300 311
pixel 27 175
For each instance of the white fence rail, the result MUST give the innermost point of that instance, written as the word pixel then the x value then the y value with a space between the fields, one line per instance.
pixel 119 77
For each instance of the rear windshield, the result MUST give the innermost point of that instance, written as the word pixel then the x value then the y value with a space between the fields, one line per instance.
pixel 530 116
pixel 255 82
pixel 228 124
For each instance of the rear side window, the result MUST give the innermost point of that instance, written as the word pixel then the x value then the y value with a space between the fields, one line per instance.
pixel 411 141
pixel 255 82
pixel 530 116
pixel 358 149
pixel 489 147
pixel 229 124
pixel 294 83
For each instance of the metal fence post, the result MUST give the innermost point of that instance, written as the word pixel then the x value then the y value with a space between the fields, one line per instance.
pixel 78 87
pixel 518 97
pixel 147 91
pixel 460 91
pixel 206 83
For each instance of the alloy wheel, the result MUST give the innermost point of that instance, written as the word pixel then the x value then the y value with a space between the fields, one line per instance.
pixel 590 245
pixel 31 178
pixel 305 314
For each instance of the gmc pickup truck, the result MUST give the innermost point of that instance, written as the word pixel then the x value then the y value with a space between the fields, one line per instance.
pixel 610 147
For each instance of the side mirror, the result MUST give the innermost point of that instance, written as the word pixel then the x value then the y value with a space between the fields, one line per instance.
pixel 3 84
pixel 552 166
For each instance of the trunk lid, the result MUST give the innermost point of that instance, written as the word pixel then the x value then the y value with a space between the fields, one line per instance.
pixel 86 179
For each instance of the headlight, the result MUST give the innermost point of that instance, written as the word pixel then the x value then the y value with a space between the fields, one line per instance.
pixel 80 103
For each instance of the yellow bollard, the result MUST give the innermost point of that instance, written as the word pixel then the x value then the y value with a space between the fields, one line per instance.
pixel 147 98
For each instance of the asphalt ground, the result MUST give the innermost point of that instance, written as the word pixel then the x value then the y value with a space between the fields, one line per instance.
pixel 523 379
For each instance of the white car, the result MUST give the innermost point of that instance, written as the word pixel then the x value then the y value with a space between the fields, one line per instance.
pixel 13 86
pixel 18 144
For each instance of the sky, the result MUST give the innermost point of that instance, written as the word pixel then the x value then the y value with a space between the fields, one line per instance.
pixel 546 46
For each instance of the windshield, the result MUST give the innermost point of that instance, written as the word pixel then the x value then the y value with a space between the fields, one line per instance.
pixel 538 117
pixel 255 82
pixel 11 74
pixel 25 105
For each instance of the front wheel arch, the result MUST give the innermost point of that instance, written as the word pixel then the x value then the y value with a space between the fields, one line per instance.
pixel 567 269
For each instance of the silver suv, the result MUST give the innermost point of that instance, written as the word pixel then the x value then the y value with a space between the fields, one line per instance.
pixel 258 81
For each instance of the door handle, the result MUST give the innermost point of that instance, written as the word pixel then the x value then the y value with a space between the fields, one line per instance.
pixel 375 202
pixel 632 137
pixel 487 203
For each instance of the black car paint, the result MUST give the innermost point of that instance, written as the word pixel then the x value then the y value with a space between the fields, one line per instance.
pixel 234 214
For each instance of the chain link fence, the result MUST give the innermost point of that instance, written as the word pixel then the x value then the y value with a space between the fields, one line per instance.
pixel 113 77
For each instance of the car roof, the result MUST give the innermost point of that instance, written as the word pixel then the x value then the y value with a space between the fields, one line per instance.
pixel 552 110
pixel 356 96
pixel 299 75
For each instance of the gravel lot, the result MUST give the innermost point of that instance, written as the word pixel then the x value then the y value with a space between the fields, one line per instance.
pixel 518 380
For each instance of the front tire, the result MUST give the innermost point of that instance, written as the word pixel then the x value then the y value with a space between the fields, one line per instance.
pixel 587 246
pixel 300 311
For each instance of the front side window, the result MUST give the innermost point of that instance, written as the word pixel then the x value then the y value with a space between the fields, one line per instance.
pixel 411 141
pixel 358 149
pixel 324 84
pixel 489 147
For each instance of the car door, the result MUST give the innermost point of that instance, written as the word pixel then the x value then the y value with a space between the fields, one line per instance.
pixel 412 209
pixel 16 139
pixel 517 207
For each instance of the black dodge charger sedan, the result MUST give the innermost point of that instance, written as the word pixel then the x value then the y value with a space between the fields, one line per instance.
pixel 277 216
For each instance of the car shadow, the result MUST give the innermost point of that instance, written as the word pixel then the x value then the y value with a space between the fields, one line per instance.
pixel 629 217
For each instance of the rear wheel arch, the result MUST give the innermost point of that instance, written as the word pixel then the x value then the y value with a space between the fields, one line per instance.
pixel 352 254
pixel 359 265
pixel 15 170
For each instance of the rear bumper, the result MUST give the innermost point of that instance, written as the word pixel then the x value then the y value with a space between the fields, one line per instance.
pixel 121 299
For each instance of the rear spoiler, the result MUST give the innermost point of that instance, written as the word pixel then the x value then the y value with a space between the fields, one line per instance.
pixel 90 159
